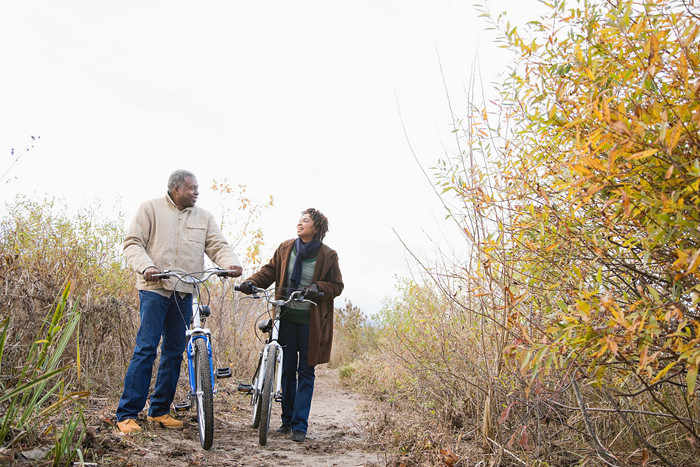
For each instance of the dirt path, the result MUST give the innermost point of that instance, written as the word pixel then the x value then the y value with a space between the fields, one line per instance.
pixel 334 437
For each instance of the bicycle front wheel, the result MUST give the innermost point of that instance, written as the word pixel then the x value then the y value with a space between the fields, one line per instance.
pixel 267 394
pixel 257 406
pixel 204 396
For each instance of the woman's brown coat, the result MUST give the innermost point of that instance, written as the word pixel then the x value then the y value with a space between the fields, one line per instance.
pixel 329 280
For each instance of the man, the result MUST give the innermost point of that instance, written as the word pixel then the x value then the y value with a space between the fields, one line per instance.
pixel 167 233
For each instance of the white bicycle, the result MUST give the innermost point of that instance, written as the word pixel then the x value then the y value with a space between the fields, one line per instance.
pixel 267 380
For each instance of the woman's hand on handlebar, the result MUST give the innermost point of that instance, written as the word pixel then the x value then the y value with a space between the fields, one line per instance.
pixel 247 287
pixel 311 292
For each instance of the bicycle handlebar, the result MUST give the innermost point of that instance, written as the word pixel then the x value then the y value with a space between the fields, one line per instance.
pixel 297 295
pixel 189 278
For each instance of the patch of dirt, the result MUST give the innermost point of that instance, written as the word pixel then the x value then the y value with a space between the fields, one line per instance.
pixel 334 438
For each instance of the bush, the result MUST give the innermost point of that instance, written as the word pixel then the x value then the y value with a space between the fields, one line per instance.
pixel 44 248
pixel 353 335
pixel 576 311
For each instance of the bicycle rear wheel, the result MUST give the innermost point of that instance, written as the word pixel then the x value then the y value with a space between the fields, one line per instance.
pixel 267 394
pixel 204 396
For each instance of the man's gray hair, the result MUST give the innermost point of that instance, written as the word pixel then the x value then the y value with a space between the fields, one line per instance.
pixel 177 178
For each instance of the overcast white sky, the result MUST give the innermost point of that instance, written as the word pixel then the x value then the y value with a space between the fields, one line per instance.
pixel 295 99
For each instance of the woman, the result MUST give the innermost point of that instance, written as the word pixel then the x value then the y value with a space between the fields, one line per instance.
pixel 306 331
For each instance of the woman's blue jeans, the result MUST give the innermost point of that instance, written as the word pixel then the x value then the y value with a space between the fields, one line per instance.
pixel 297 376
pixel 166 317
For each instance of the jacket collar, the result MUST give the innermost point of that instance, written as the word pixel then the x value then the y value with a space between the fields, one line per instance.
pixel 172 203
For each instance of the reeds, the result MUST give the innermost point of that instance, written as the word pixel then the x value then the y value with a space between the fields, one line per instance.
pixel 35 392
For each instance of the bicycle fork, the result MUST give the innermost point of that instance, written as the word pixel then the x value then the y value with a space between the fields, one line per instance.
pixel 278 370
pixel 199 334
pixel 191 376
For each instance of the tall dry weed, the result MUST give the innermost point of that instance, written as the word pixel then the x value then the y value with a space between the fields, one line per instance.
pixel 436 370
pixel 43 247
pixel 353 337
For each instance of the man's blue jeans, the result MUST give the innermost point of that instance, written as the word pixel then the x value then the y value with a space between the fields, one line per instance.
pixel 297 376
pixel 166 317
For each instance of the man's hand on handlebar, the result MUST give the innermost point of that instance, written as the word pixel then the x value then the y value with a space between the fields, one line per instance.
pixel 234 271
pixel 152 274
pixel 149 272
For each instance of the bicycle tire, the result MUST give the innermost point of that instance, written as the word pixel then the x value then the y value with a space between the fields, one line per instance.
pixel 257 406
pixel 267 394
pixel 204 396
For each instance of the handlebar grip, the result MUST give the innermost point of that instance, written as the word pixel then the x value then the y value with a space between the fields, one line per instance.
pixel 161 275
pixel 237 288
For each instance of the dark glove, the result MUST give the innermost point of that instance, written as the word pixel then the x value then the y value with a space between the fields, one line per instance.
pixel 311 292
pixel 246 287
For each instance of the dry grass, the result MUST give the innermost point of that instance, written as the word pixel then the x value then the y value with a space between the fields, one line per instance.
pixel 449 396
pixel 41 252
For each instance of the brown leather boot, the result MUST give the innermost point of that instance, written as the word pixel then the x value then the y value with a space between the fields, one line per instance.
pixel 128 426
pixel 166 421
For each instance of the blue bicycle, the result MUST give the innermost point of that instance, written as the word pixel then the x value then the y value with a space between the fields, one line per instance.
pixel 200 366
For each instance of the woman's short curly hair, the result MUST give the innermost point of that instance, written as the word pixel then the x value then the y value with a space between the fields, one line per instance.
pixel 320 223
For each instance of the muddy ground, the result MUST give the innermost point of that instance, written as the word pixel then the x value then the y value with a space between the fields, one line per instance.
pixel 335 436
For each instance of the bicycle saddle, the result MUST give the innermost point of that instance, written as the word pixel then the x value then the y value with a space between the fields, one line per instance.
pixel 265 325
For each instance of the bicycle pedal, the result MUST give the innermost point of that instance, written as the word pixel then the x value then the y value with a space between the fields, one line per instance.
pixel 243 387
pixel 182 407
pixel 224 372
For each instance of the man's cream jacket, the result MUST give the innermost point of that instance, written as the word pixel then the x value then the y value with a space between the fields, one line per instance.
pixel 161 235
